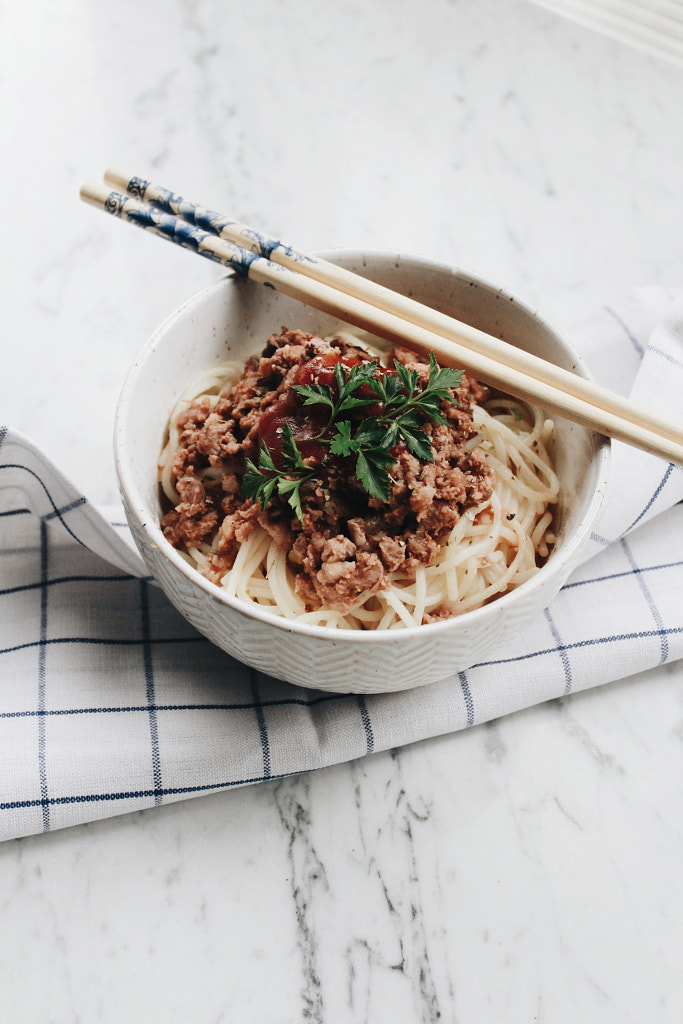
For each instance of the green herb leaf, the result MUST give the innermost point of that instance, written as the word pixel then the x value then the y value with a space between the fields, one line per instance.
pixel 342 442
pixel 411 418
pixel 371 470
pixel 351 402
pixel 290 487
pixel 409 378
pixel 391 437
pixel 252 482
pixel 417 441
pixel 315 394
pixel 442 377
pixel 370 434
pixel 260 482
pixel 361 373
pixel 291 456
pixel 393 388
pixel 265 459
pixel 430 405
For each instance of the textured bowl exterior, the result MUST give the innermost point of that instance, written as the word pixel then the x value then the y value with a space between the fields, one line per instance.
pixel 232 320
pixel 330 662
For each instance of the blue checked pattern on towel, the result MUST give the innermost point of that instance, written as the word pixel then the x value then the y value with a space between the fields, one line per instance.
pixel 110 702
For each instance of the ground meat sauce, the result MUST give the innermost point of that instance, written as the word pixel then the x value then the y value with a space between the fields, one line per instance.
pixel 348 542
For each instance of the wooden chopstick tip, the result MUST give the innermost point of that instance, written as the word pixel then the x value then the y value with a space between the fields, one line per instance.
pixel 93 193
pixel 117 178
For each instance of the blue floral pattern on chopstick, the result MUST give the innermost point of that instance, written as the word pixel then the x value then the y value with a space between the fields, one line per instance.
pixel 209 220
pixel 180 231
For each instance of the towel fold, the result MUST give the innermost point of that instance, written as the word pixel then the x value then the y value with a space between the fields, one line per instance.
pixel 111 702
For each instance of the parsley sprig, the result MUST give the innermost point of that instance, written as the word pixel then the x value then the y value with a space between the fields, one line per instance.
pixel 404 405
pixel 260 482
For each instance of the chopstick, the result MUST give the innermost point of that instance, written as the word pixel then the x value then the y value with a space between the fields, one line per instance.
pixel 384 298
pixel 387 314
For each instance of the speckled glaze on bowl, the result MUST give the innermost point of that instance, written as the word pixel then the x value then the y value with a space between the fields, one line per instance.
pixel 232 319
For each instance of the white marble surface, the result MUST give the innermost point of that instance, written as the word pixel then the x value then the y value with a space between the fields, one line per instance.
pixel 524 871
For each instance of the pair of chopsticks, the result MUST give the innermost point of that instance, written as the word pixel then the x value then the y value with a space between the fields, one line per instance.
pixel 383 312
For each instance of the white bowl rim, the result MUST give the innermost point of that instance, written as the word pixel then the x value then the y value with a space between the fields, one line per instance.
pixel 156 537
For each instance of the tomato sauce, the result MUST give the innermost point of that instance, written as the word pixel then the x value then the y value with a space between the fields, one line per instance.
pixel 306 422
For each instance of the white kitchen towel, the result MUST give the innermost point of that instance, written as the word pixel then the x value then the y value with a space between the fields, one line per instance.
pixel 655 26
pixel 111 702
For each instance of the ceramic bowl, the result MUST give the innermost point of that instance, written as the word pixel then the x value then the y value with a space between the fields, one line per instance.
pixel 233 319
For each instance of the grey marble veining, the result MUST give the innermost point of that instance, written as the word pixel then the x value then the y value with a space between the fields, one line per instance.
pixel 527 870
